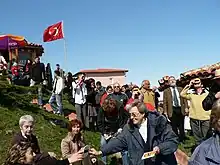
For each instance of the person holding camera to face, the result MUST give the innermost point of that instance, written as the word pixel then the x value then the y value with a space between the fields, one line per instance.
pixel 136 94
pixel 199 118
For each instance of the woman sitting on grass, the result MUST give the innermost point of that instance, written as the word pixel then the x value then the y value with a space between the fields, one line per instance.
pixel 73 142
pixel 22 154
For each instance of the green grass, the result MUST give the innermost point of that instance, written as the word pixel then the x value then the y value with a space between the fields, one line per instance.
pixel 14 103
pixel 187 146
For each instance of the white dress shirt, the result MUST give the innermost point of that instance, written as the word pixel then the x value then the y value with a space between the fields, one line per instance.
pixel 143 130
pixel 177 94
pixel 58 85
pixel 79 93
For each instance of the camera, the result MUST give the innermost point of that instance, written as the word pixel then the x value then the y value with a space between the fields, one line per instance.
pixel 136 96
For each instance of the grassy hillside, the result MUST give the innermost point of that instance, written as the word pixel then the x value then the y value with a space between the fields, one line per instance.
pixel 15 102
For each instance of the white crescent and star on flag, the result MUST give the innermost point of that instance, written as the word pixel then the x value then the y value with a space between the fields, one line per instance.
pixel 54 31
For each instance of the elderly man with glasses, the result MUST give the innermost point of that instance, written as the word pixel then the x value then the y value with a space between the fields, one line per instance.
pixel 148 138
pixel 118 95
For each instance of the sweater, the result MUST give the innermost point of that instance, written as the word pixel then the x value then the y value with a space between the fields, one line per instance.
pixel 196 110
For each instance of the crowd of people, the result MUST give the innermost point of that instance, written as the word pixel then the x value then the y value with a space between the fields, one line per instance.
pixel 130 119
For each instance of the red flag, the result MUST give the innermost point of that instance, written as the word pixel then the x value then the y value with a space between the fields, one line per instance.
pixel 53 32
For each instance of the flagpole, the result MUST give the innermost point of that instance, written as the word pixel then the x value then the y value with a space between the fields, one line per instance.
pixel 65 54
pixel 65 49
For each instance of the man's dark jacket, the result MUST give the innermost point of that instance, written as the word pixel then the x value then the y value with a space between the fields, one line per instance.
pixel 210 98
pixel 38 72
pixel 110 124
pixel 159 134
pixel 121 97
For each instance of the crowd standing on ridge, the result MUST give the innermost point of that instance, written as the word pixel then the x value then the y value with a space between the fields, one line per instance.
pixel 131 121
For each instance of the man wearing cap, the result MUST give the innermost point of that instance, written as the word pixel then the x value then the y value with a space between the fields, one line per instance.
pixel 79 94
pixel 214 92
pixel 146 132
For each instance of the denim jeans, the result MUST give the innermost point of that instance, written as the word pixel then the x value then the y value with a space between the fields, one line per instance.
pixel 103 142
pixel 39 89
pixel 124 154
pixel 125 158
pixel 40 95
pixel 58 108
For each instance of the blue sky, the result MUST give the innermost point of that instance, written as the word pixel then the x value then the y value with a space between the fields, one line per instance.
pixel 151 38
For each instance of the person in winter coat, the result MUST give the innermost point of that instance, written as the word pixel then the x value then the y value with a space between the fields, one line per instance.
pixel 111 120
pixel 207 153
pixel 26 124
pixel 118 95
pixel 146 132
pixel 125 89
pixel 37 76
pixel 49 77
pixel 91 104
pixel 100 91
pixel 214 92
pixel 37 72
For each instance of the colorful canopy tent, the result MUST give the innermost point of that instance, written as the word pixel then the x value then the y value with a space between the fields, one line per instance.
pixel 11 41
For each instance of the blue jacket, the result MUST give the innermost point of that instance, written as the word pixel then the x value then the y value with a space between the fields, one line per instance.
pixel 159 134
pixel 207 153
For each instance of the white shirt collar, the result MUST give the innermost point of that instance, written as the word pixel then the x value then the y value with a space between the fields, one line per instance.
pixel 144 124
pixel 22 133
pixel 143 130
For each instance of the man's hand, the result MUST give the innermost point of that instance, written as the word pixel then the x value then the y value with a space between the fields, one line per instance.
pixel 166 115
pixel 191 83
pixel 154 88
pixel 186 111
pixel 76 157
pixel 217 95
pixel 156 150
pixel 52 154
pixel 92 151
pixel 119 130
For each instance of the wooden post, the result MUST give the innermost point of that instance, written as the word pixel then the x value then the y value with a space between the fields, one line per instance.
pixel 10 54
pixel 16 54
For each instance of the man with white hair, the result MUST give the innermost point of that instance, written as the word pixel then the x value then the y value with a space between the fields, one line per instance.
pixel 26 124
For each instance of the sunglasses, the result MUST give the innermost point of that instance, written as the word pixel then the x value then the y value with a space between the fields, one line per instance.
pixel 116 86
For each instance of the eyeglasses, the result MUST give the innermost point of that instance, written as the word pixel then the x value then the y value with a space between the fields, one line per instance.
pixel 134 114
pixel 116 86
